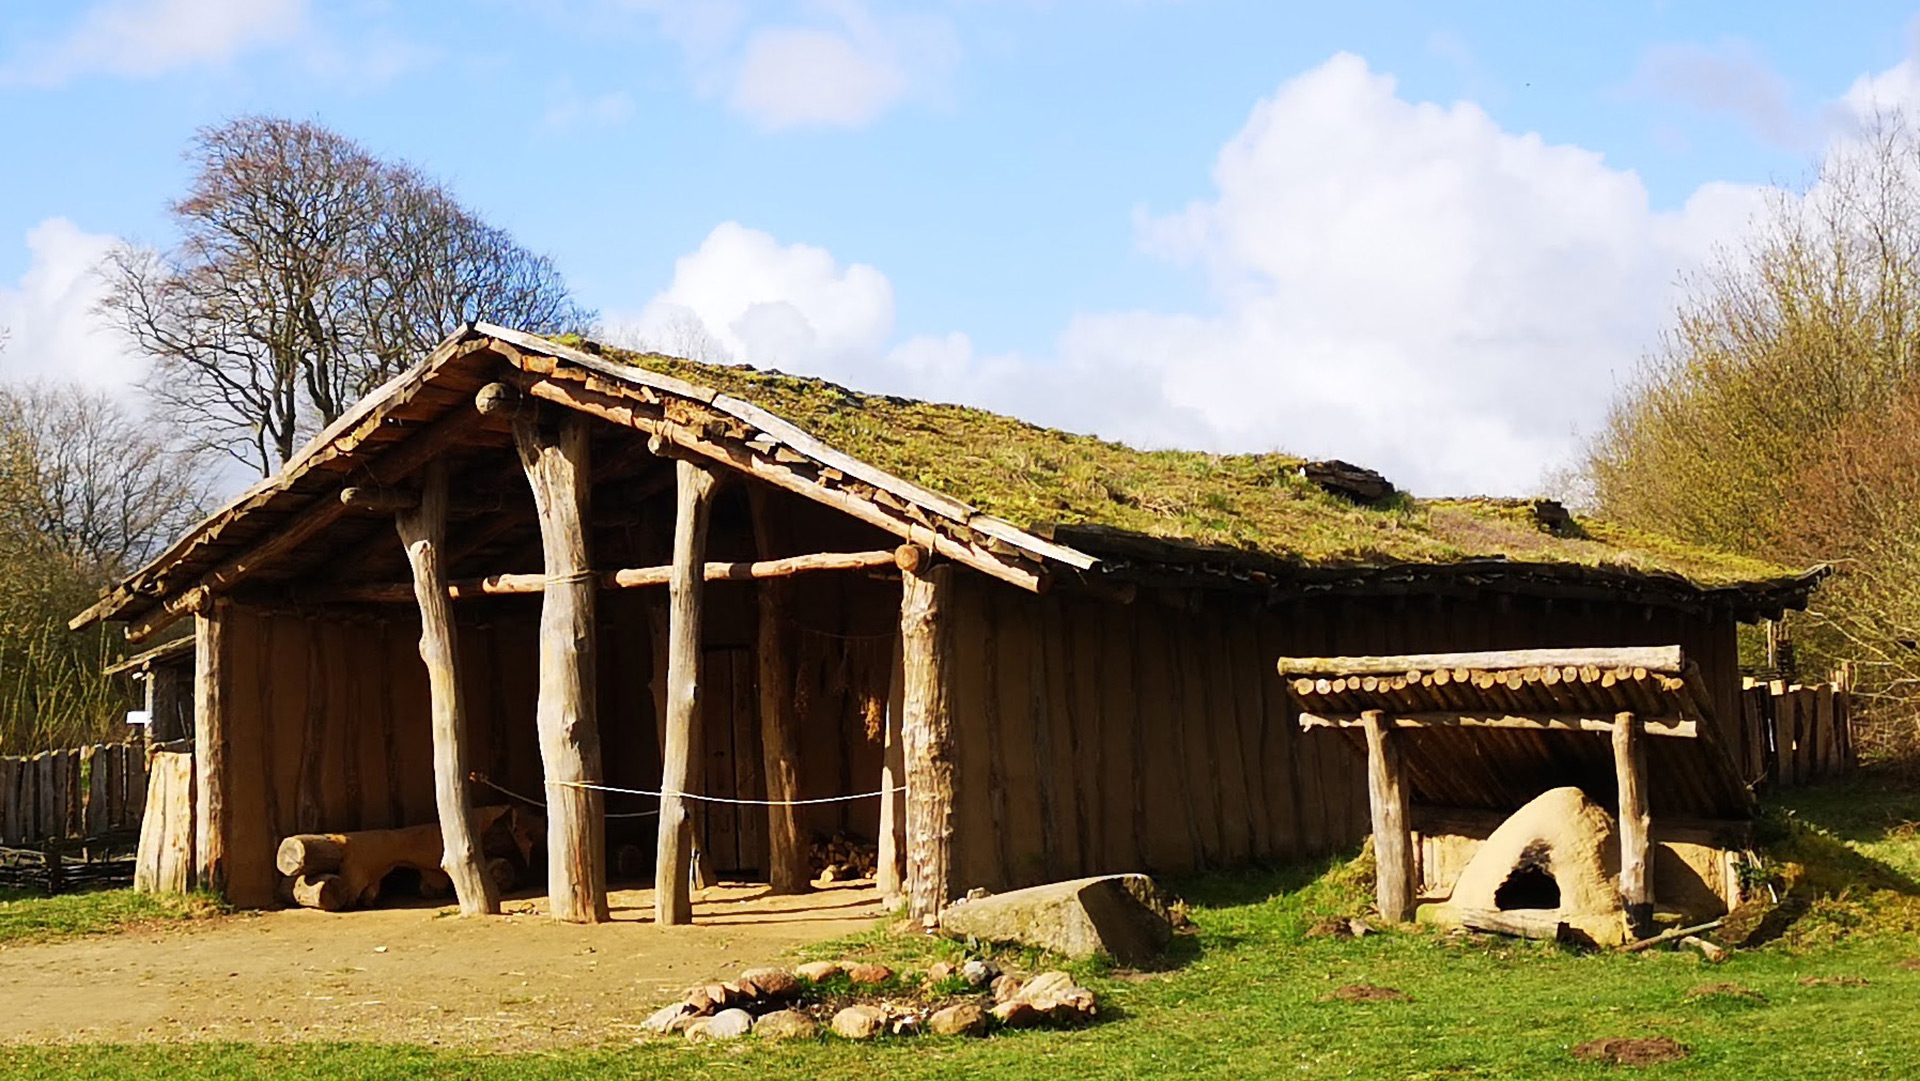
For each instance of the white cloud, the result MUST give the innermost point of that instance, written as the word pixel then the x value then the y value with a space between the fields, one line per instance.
pixel 830 63
pixel 1729 79
pixel 141 38
pixel 52 329
pixel 1405 285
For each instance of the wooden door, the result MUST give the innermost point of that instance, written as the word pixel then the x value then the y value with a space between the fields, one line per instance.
pixel 734 836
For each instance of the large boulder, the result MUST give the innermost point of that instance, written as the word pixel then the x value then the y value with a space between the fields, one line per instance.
pixel 1121 916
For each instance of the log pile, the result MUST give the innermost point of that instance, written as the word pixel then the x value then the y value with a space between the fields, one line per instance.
pixel 842 858
pixel 338 871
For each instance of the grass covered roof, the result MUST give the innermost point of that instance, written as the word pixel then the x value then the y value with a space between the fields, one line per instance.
pixel 1036 477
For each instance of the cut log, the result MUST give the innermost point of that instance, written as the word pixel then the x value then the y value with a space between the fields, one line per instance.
pixel 629 578
pixel 311 853
pixel 327 893
pixel 564 714
pixel 366 857
pixel 1525 923
pixel 673 904
pixel 423 531
pixel 926 730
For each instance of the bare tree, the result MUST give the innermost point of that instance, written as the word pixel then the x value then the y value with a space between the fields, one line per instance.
pixel 308 272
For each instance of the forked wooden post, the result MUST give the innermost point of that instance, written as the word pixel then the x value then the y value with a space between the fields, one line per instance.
pixel 1636 823
pixel 211 826
pixel 557 470
pixel 926 730
pixel 1392 831
pixel 779 734
pixel 673 903
pixel 423 530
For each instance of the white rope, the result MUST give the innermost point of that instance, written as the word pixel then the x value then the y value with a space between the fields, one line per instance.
pixel 537 803
pixel 724 799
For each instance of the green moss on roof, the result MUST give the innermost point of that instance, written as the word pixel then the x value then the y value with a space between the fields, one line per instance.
pixel 1033 476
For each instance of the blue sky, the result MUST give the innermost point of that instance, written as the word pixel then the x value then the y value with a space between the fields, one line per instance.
pixel 1376 231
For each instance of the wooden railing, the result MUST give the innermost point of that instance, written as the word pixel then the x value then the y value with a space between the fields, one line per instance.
pixel 76 794
pixel 1794 734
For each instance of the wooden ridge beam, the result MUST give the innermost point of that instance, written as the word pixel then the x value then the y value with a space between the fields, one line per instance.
pixel 498 585
pixel 1545 722
pixel 1666 660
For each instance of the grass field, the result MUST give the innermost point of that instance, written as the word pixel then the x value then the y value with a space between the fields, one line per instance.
pixel 1249 998
pixel 30 917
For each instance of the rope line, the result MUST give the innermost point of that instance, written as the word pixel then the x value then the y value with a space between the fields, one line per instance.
pixel 540 804
pixel 725 799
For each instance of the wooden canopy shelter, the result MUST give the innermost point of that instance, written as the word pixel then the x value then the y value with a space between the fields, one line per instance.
pixel 539 570
pixel 1634 728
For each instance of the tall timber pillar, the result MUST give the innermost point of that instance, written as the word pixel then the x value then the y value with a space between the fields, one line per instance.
pixel 926 730
pixel 673 865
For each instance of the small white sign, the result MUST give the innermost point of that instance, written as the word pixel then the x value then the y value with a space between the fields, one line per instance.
pixel 139 716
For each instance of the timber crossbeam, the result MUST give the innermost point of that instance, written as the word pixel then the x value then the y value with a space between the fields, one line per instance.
pixel 1658 726
pixel 631 578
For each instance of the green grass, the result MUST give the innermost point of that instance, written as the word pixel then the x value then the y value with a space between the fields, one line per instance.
pixel 1246 997
pixel 31 917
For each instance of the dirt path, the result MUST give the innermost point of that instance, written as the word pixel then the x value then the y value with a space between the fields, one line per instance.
pixel 415 975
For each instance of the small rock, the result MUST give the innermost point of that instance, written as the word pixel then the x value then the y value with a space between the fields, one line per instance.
pixel 1058 998
pixel 859 1022
pixel 669 1018
pixel 869 974
pixel 961 1019
pixel 1017 1014
pixel 775 983
pixel 725 1025
pixel 815 971
pixel 1006 987
pixel 1714 954
pixel 978 973
pixel 785 1025
pixel 700 1003
pixel 940 970
pixel 1360 927
pixel 902 1021
pixel 979 893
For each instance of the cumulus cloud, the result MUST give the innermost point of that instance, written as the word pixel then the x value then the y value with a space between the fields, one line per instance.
pixel 48 315
pixel 1402 284
pixel 141 38
pixel 824 63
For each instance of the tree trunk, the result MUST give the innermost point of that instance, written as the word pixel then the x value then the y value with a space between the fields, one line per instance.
pixel 673 866
pixel 1392 837
pixel 423 530
pixel 1630 769
pixel 569 736
pixel 926 730
pixel 211 829
pixel 779 734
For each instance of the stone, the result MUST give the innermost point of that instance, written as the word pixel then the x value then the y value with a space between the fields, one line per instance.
pixel 1006 987
pixel 941 970
pixel 785 1025
pixel 869 974
pixel 725 1025
pixel 669 1018
pixel 771 983
pixel 960 1019
pixel 978 973
pixel 1057 998
pixel 1017 1014
pixel 1121 916
pixel 859 1022
pixel 700 1002
pixel 815 971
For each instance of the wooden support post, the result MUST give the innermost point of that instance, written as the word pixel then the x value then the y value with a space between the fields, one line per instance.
pixel 779 727
pixel 673 865
pixel 423 530
pixel 1636 824
pixel 1392 828
pixel 211 829
pixel 926 731
pixel 556 468
pixel 890 873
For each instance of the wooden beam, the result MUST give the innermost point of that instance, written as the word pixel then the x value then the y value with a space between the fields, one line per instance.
pixel 1388 796
pixel 890 871
pixel 1635 824
pixel 926 731
pixel 619 411
pixel 673 903
pixel 499 585
pixel 1663 659
pixel 779 727
pixel 212 829
pixel 556 468
pixel 1542 722
pixel 423 533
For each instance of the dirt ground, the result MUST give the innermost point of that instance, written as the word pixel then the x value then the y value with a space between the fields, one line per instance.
pixel 415 975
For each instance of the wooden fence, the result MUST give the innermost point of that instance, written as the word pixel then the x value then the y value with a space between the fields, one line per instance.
pixel 1793 734
pixel 76 794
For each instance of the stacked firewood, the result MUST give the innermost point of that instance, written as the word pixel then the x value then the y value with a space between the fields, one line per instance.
pixel 841 858
pixel 335 871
